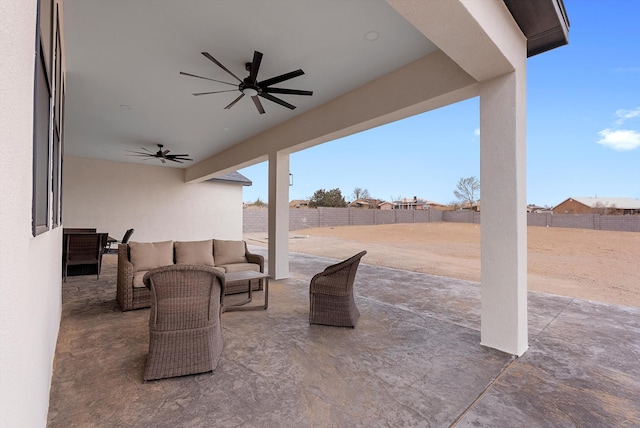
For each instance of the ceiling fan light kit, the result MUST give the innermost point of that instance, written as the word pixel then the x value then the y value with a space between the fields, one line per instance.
pixel 250 85
pixel 250 91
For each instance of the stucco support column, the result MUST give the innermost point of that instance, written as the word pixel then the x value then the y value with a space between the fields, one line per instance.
pixel 278 259
pixel 503 218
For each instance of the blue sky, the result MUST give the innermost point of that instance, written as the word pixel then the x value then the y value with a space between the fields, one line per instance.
pixel 583 128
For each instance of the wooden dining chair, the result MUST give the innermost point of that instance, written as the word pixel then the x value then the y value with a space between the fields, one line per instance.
pixel 83 249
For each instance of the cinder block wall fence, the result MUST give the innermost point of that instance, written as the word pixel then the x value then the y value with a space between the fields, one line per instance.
pixel 255 219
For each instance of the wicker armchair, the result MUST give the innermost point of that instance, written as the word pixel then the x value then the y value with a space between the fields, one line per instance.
pixel 185 333
pixel 331 294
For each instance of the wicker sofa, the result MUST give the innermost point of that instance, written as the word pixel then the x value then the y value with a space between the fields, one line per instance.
pixel 137 258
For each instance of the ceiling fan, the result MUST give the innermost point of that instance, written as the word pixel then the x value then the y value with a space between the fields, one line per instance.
pixel 163 155
pixel 250 85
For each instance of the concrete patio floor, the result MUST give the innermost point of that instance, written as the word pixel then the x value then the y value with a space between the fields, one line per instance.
pixel 414 359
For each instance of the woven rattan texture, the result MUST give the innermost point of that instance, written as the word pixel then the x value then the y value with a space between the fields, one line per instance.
pixel 331 299
pixel 185 333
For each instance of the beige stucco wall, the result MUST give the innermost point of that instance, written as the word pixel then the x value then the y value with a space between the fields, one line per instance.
pixel 30 270
pixel 154 200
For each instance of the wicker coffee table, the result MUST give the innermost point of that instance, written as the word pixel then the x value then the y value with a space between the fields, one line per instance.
pixel 243 276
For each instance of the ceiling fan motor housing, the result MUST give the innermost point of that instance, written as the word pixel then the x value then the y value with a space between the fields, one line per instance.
pixel 251 87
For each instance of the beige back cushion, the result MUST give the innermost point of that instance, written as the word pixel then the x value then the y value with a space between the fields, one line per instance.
pixel 227 252
pixel 195 253
pixel 150 255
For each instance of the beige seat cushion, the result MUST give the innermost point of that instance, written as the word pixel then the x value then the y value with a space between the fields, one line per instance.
pixel 228 252
pixel 195 253
pixel 137 279
pixel 150 255
pixel 239 267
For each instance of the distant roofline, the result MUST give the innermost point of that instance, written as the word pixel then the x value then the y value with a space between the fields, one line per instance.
pixel 591 201
pixel 234 178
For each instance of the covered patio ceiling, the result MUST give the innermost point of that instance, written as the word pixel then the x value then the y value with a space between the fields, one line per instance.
pixel 124 88
pixel 124 91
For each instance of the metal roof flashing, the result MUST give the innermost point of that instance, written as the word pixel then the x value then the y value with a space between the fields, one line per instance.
pixel 544 23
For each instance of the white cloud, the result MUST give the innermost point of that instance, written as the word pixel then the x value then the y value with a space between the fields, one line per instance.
pixel 624 115
pixel 476 136
pixel 619 139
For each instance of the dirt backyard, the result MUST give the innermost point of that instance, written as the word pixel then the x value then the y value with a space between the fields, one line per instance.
pixel 596 265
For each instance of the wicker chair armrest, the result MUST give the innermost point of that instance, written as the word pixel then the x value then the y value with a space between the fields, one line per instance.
pixel 254 258
pixel 124 292
pixel 335 283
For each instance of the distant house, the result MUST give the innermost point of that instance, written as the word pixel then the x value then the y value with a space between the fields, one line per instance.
pixel 366 203
pixel 386 205
pixel 468 206
pixel 299 203
pixel 436 206
pixel 253 205
pixel 532 208
pixel 417 204
pixel 588 205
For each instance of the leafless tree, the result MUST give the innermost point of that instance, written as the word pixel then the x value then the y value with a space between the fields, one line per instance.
pixel 454 205
pixel 359 193
pixel 467 191
pixel 604 209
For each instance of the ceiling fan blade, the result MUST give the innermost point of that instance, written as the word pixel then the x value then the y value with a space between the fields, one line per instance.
pixel 286 91
pixel 206 54
pixel 280 78
pixel 177 156
pixel 277 100
pixel 214 92
pixel 173 160
pixel 206 78
pixel 258 104
pixel 164 153
pixel 140 153
pixel 162 160
pixel 255 66
pixel 233 102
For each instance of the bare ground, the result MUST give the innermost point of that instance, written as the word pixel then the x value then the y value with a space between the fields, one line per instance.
pixel 595 265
